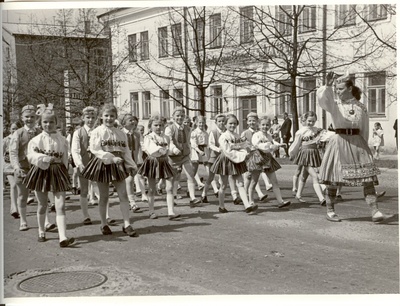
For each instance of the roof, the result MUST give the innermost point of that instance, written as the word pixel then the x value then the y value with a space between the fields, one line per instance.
pixel 46 30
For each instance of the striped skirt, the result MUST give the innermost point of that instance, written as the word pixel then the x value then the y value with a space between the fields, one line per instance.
pixel 308 156
pixel 54 179
pixel 97 171
pixel 156 167
pixel 348 161
pixel 224 166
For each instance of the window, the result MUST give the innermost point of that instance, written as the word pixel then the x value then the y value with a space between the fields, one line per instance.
pixel 284 104
pixel 216 101
pixel 377 11
pixel 178 97
pixel 146 100
pixel 135 104
pixel 309 99
pixel 345 15
pixel 176 30
pixel 376 93
pixel 198 34
pixel 246 25
pixel 132 48
pixel 285 20
pixel 144 46
pixel 163 42
pixel 215 31
pixel 248 105
pixel 164 99
pixel 308 19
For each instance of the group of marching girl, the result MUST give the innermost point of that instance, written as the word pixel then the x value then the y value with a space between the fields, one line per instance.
pixel 38 160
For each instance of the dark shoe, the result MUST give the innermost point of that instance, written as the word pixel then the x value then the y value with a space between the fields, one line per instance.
pixel 251 209
pixel 237 201
pixel 204 200
pixel 270 188
pixel 111 221
pixel 52 208
pixel 42 238
pixel 174 217
pixel 15 215
pixel 333 218
pixel 380 194
pixel 216 194
pixel 67 198
pixel 30 201
pixel 264 198
pixel 73 190
pixel 130 231
pixel 105 230
pixel 222 210
pixel 159 191
pixel 50 227
pixel 67 242
pixel 339 198
pixel 195 203
pixel 284 204
pixel 300 200
pixel 87 221
pixel 323 202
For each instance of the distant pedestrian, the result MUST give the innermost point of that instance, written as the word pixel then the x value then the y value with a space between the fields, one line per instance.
pixel 395 132
pixel 48 154
pixel 377 139
pixel 111 162
pixel 286 132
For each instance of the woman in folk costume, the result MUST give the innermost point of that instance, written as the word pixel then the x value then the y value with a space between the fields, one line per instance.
pixel 347 161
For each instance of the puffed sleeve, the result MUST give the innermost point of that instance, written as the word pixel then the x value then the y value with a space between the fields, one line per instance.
pixel 13 150
pixel 76 149
pixel 211 143
pixel 35 158
pixel 236 156
pixel 295 146
pixel 96 149
pixel 326 98
pixel 151 147
pixel 256 141
pixel 173 149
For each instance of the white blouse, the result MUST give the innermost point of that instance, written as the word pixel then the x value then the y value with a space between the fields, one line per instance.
pixel 105 140
pixel 152 144
pixel 44 146
pixel 264 142
pixel 233 146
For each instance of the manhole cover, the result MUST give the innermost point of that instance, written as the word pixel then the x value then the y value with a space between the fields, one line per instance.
pixel 59 282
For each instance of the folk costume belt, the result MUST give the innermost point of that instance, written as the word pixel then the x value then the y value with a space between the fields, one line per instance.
pixel 348 131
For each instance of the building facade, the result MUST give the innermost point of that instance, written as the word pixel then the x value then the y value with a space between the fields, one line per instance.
pixel 253 59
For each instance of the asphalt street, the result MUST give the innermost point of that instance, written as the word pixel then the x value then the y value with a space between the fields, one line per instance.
pixel 293 251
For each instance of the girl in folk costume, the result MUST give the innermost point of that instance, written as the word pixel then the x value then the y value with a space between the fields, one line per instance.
pixel 180 152
pixel 111 162
pixel 138 158
pixel 48 154
pixel 265 145
pixel 127 123
pixel 299 170
pixel 81 156
pixel 252 122
pixel 199 143
pixel 19 161
pixel 347 161
pixel 305 152
pixel 8 171
pixel 377 139
pixel 157 166
pixel 231 161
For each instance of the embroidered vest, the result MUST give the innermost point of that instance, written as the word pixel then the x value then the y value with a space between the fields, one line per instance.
pixel 84 144
pixel 24 139
pixel 216 135
pixel 184 147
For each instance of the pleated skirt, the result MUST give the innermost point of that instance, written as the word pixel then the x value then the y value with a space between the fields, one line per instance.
pixel 156 167
pixel 261 161
pixel 348 161
pixel 224 166
pixel 97 171
pixel 308 156
pixel 54 179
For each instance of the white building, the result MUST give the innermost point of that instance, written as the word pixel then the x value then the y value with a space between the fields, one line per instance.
pixel 244 49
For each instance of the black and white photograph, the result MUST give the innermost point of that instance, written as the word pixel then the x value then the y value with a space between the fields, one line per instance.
pixel 182 153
